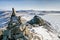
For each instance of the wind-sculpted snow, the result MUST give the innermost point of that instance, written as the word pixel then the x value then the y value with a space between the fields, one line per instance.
pixel 54 19
pixel 4 18
pixel 47 35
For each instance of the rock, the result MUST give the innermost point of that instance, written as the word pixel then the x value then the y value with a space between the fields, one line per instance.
pixel 21 20
pixel 36 20
pixel 1 36
pixel 1 31
pixel 18 29
pixel 14 30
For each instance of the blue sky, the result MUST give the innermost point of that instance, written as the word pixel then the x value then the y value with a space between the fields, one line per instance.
pixel 30 4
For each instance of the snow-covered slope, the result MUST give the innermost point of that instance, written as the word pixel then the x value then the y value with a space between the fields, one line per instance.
pixel 54 19
pixel 45 35
pixel 51 18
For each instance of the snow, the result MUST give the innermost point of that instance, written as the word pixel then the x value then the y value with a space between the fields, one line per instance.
pixel 54 19
pixel 45 34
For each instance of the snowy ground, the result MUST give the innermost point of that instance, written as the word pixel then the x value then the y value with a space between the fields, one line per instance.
pixel 46 35
pixel 54 19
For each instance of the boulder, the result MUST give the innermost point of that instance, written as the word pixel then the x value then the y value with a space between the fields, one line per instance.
pixel 36 20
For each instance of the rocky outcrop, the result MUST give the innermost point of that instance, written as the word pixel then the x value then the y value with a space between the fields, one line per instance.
pixel 36 20
pixel 17 30
pixel 13 31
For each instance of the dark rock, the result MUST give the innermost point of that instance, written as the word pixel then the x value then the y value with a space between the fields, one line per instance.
pixel 36 20
pixel 58 36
